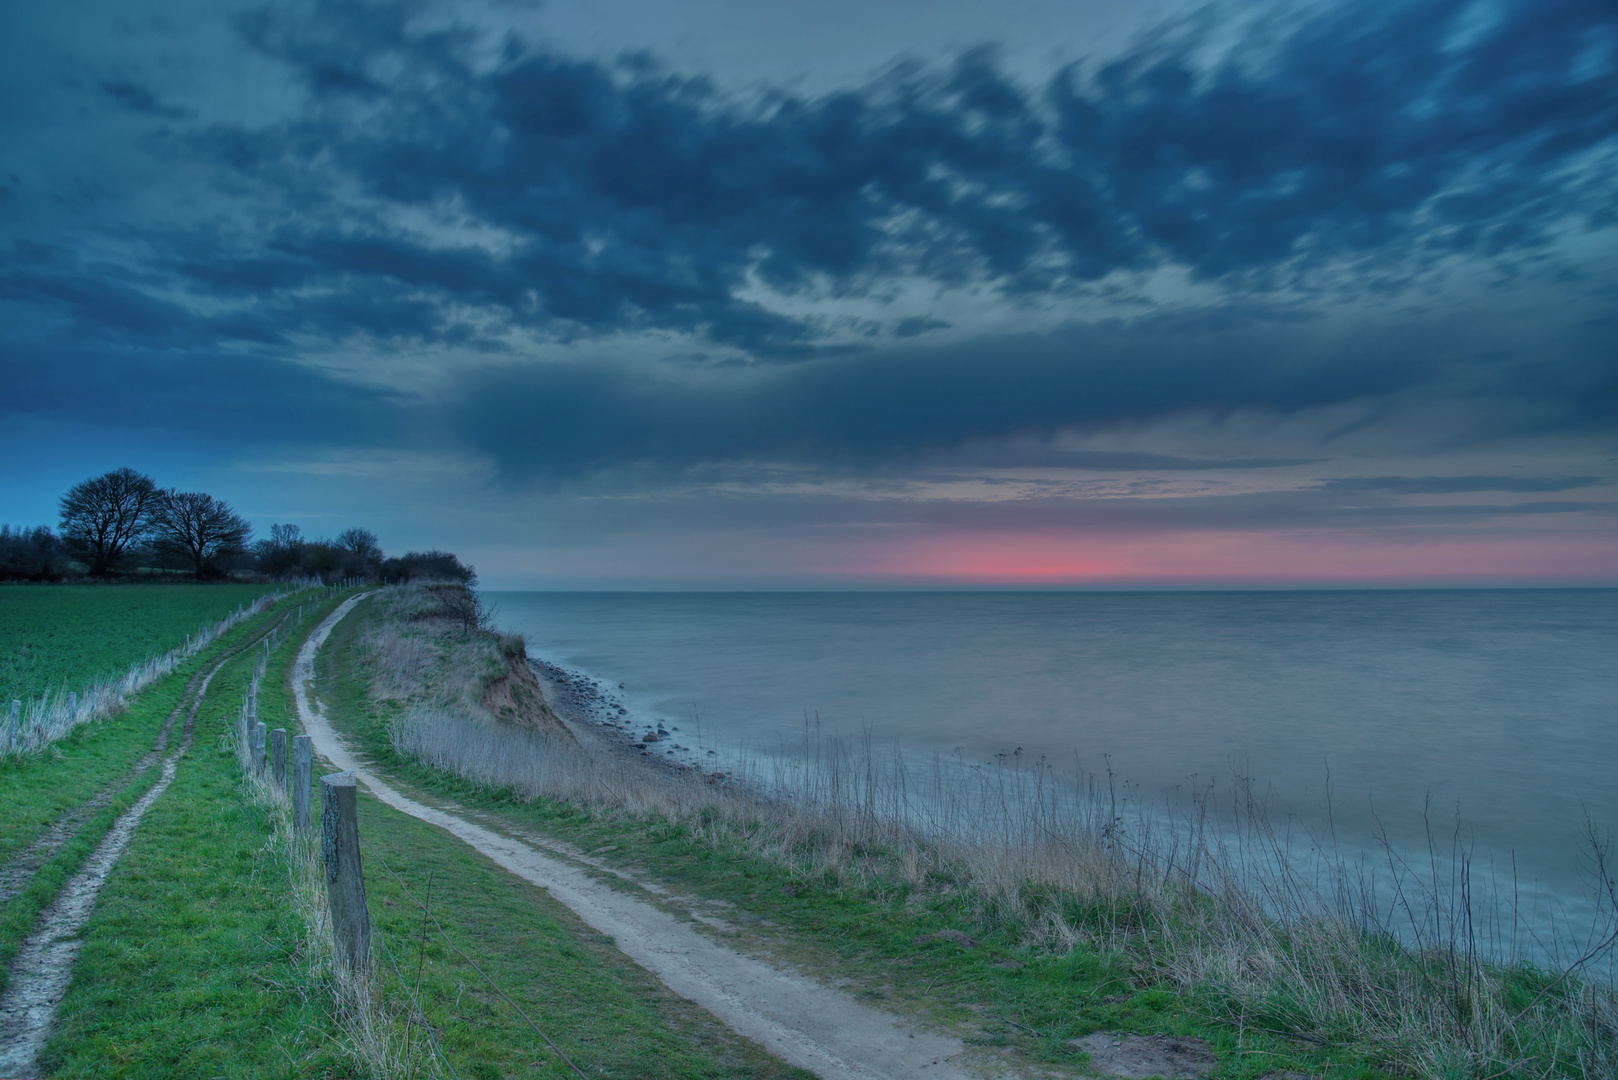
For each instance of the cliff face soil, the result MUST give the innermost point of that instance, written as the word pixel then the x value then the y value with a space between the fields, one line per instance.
pixel 516 698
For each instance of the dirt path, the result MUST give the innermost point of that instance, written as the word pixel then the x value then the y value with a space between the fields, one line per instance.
pixel 812 1026
pixel 43 966
pixel 17 871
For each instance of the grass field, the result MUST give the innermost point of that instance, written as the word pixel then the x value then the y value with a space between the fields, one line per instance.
pixel 191 963
pixel 195 963
pixel 198 961
pixel 63 636
pixel 34 794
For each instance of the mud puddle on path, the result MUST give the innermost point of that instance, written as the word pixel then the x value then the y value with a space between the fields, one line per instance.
pixel 808 1024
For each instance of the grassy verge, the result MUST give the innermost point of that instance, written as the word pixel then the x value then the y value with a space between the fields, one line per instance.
pixel 198 961
pixel 191 964
pixel 1017 1004
pixel 608 1016
pixel 37 790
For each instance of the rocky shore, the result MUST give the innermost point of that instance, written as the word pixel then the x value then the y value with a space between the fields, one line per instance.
pixel 594 707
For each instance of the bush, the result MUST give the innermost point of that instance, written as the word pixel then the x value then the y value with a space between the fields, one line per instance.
pixel 35 554
pixel 440 565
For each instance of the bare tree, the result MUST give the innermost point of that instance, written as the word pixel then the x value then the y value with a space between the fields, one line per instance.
pixel 200 527
pixel 464 605
pixel 361 542
pixel 104 516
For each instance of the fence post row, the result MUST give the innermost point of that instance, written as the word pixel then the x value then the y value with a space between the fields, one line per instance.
pixel 278 757
pixel 260 731
pixel 345 880
pixel 303 753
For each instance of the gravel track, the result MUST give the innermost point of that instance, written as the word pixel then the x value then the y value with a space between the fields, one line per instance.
pixel 812 1026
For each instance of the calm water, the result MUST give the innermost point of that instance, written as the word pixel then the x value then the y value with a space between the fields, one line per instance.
pixel 1502 705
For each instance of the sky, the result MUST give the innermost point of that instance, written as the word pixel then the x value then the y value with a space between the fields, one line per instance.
pixel 745 294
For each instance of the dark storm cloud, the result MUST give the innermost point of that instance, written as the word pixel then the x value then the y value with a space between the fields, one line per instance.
pixel 1340 154
pixel 815 514
pixel 1115 461
pixel 1383 136
pixel 970 402
pixel 917 325
pixel 137 98
pixel 106 303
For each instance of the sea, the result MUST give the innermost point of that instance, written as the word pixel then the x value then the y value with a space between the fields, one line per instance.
pixel 1447 723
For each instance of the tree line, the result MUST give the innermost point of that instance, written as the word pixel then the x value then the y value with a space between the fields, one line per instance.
pixel 121 525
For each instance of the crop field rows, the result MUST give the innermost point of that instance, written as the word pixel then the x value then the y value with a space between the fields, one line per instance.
pixel 59 637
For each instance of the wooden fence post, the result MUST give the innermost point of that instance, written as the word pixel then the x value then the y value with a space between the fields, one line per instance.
pixel 345 880
pixel 72 706
pixel 257 742
pixel 303 753
pixel 278 757
pixel 16 718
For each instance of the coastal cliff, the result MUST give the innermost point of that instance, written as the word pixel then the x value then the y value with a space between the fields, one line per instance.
pixel 516 696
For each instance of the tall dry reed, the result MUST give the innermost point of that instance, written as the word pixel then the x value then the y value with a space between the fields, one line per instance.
pixel 56 713
pixel 1258 928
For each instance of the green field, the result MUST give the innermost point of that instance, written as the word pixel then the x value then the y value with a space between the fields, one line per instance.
pixel 195 963
pixel 198 963
pixel 55 637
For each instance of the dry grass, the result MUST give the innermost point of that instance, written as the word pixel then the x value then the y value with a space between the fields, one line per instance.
pixel 55 714
pixel 371 1028
pixel 1255 928
pixel 420 651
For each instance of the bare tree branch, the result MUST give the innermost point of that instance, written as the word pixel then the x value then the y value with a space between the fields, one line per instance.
pixel 104 516
pixel 200 527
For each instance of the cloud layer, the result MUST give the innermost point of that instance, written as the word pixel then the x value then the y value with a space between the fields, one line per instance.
pixel 426 191
pixel 599 278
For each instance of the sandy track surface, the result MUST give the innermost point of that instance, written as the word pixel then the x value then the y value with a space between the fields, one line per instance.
pixel 812 1026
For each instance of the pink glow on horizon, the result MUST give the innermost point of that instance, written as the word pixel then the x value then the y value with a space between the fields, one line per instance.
pixel 1238 557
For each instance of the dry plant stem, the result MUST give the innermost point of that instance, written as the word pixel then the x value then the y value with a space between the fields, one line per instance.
pixel 417 1015
pixel 497 989
pixel 1219 902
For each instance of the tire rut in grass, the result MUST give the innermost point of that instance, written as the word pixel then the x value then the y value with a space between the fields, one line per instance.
pixel 17 871
pixel 43 968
